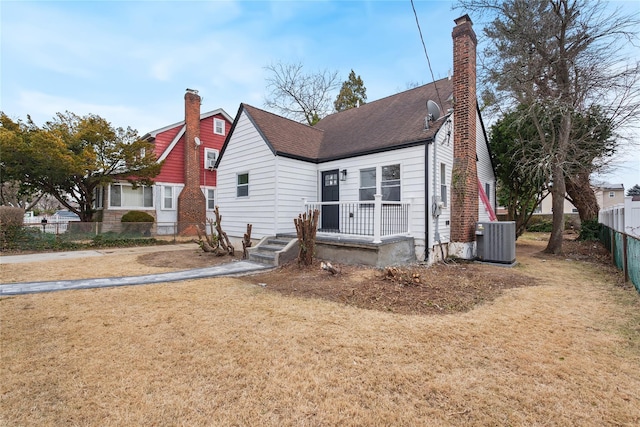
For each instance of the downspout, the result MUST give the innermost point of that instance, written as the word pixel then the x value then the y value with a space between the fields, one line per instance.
pixel 426 201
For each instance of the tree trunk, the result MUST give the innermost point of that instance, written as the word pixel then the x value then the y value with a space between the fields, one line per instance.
pixel 582 196
pixel 558 191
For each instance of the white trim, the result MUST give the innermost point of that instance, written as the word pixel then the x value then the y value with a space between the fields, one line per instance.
pixel 238 185
pixel 206 159
pixel 173 198
pixel 203 116
pixel 173 144
pixel 224 126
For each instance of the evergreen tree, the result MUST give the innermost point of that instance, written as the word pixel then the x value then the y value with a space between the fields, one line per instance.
pixel 634 191
pixel 352 94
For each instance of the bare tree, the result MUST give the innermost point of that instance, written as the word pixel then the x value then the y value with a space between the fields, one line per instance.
pixel 300 96
pixel 559 58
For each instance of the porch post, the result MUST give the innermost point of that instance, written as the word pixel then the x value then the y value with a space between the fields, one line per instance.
pixel 409 212
pixel 377 218
pixel 304 204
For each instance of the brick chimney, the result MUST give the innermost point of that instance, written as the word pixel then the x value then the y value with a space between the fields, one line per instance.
pixel 464 183
pixel 191 202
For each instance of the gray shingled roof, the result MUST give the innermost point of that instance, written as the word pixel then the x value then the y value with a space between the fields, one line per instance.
pixel 389 123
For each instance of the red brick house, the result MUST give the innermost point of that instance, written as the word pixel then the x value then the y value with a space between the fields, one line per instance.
pixel 185 189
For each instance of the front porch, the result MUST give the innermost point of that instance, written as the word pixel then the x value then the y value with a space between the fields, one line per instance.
pixel 362 221
pixel 373 233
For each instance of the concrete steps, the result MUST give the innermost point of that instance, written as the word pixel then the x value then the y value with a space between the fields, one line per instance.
pixel 274 250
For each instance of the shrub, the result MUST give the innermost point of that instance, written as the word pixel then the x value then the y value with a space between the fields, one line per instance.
pixel 137 222
pixel 590 230
pixel 11 216
pixel 539 224
pixel 10 225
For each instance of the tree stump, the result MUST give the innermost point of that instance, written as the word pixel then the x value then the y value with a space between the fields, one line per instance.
pixel 246 242
pixel 306 227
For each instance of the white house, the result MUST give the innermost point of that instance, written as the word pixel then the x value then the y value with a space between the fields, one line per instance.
pixel 385 170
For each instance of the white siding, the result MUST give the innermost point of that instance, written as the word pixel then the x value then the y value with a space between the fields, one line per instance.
pixel 295 180
pixel 485 171
pixel 248 153
pixel 411 162
pixel 166 215
pixel 443 148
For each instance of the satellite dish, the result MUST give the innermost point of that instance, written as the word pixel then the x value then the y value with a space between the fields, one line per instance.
pixel 433 109
pixel 197 141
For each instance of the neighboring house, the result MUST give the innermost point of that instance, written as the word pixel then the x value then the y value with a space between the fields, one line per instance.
pixel 606 194
pixel 609 194
pixel 378 172
pixel 185 165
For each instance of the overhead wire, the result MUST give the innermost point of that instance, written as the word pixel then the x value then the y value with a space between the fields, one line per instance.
pixel 424 46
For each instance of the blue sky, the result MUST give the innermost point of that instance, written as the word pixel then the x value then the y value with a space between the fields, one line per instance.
pixel 131 61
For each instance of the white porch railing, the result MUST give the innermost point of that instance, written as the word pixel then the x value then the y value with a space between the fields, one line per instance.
pixel 375 219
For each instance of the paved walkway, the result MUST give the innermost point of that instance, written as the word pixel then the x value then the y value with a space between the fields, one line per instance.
pixel 229 269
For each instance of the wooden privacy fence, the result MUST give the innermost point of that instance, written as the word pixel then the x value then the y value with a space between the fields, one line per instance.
pixel 625 253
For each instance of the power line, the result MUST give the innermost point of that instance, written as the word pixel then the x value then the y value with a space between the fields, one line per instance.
pixel 426 54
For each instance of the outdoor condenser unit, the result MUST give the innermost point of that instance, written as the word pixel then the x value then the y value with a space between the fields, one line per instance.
pixel 496 241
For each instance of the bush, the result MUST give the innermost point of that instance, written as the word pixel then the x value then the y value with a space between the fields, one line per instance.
pixel 137 223
pixel 590 230
pixel 539 224
pixel 137 216
pixel 10 225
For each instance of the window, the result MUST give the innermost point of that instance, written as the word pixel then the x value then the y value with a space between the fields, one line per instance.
pixel 443 184
pixel 242 189
pixel 487 191
pixel 391 183
pixel 97 198
pixel 167 197
pixel 367 183
pixel 211 200
pixel 126 196
pixel 612 194
pixel 331 180
pixel 218 126
pixel 210 157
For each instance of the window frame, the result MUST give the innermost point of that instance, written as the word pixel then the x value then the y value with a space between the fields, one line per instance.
pixel 145 196
pixel 362 188
pixel 207 192
pixel 242 185
pixel 164 198
pixel 612 194
pixel 444 189
pixel 222 124
pixel 384 183
pixel 206 156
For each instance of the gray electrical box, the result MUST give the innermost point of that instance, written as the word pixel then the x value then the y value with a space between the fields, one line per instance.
pixel 496 241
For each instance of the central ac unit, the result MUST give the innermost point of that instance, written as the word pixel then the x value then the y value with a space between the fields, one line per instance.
pixel 496 241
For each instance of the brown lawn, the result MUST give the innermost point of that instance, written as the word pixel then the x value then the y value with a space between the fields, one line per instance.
pixel 360 348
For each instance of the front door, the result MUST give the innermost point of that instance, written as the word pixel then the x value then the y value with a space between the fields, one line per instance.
pixel 330 193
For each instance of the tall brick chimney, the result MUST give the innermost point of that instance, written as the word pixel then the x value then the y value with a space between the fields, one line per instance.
pixel 191 202
pixel 464 181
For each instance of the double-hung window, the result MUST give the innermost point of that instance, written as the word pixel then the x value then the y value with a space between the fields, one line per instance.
pixel 443 184
pixel 210 157
pixel 167 197
pixel 367 183
pixel 242 187
pixel 218 126
pixel 211 200
pixel 391 183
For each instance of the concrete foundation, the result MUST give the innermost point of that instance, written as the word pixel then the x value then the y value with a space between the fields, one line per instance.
pixel 395 251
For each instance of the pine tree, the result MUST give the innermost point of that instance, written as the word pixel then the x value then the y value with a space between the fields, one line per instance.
pixel 352 94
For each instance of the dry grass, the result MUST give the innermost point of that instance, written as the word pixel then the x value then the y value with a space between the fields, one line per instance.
pixel 225 352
